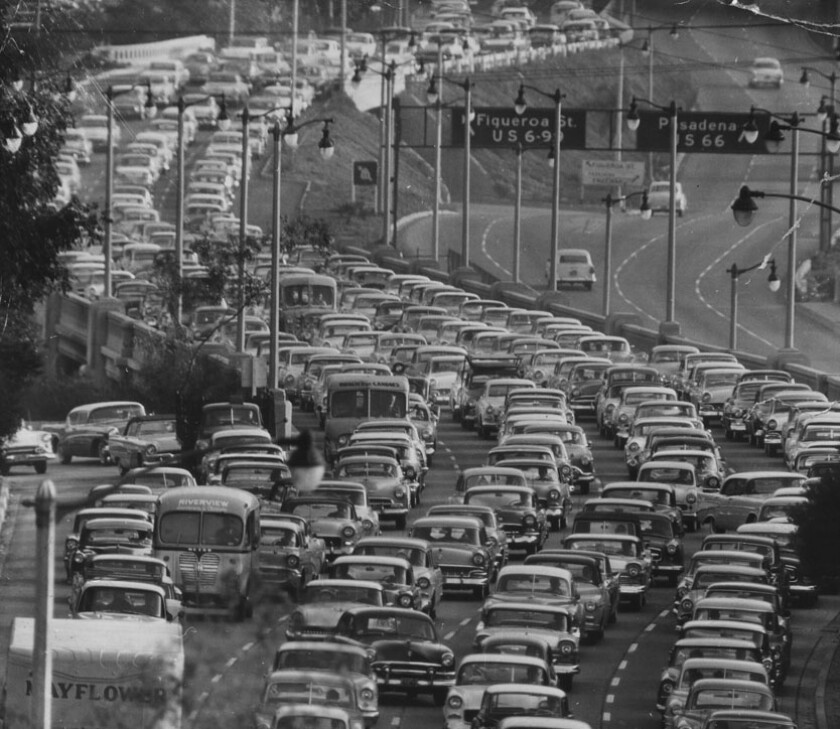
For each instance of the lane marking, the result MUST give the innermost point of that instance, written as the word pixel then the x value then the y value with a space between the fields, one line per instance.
pixel 615 681
pixel 395 720
pixel 649 627
pixel 247 647
pixel 622 665
pixel 632 648
pixel 606 716
pixel 465 622
pixel 610 699
pixel 664 613
pixel 449 635
pixel 216 678
pixel 230 662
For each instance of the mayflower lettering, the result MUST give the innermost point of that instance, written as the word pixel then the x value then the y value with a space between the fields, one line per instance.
pixel 108 692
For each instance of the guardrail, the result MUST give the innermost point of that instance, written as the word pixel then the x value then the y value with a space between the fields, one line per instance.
pixel 142 53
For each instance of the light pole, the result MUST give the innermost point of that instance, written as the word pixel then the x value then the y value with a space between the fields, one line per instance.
pixel 824 112
pixel 151 111
pixel 633 123
pixel 223 123
pixel 609 201
pixel 648 52
pixel 773 139
pixel 735 273
pixel 519 106
pixel 517 212
pixel 744 208
pixel 326 147
pixel 433 96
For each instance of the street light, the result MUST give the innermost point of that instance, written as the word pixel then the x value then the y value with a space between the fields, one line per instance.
pixel 223 121
pixel 326 147
pixel 734 272
pixel 433 96
pixel 826 161
pixel 609 201
pixel 773 139
pixel 633 124
pixel 151 111
pixel 519 106
pixel 648 52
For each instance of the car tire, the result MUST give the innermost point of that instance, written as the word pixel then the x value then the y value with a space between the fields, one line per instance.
pixel 770 450
pixel 481 592
pixel 564 683
pixel 102 454
pixel 400 521
pixel 63 456
pixel 714 528
pixel 556 523
pixel 5 469
pixel 613 619
pixel 40 467
pixel 439 696
pixel 588 286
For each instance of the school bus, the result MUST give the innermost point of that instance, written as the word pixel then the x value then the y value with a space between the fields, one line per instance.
pixel 208 537
pixel 353 398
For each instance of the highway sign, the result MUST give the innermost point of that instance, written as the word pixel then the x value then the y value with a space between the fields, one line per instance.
pixel 611 172
pixel 503 127
pixel 701 131
pixel 364 172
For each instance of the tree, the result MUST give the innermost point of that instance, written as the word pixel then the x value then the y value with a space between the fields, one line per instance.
pixel 34 230
pixel 818 536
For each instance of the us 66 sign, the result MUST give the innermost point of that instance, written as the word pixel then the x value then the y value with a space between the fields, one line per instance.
pixel 503 127
pixel 701 131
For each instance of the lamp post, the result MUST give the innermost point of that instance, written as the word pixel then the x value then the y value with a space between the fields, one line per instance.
pixel 519 106
pixel 151 111
pixel 826 161
pixel 433 96
pixel 648 52
pixel 517 213
pixel 773 139
pixel 609 201
pixel 326 146
pixel 735 273
pixel 224 123
pixel 633 123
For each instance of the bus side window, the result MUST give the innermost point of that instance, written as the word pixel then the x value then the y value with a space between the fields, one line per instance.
pixel 252 531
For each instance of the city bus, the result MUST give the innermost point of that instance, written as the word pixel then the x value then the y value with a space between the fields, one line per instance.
pixel 353 398
pixel 303 294
pixel 208 537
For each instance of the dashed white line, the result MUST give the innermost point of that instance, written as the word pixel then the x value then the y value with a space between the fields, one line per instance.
pixel 464 622
pixel 610 699
pixel 622 665
pixel 449 635
pixel 606 716
pixel 649 627
pixel 216 678
pixel 632 648
pixel 230 662
pixel 664 613
pixel 395 720
pixel 615 681
pixel 247 647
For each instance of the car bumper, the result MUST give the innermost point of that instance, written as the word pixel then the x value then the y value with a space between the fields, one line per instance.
pixel 523 540
pixel 737 426
pixel 631 590
pixel 474 579
pixel 414 680
pixel 23 459
pixel 566 669
pixel 281 577
pixel 710 411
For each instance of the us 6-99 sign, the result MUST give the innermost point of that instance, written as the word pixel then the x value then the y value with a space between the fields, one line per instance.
pixel 701 131
pixel 503 127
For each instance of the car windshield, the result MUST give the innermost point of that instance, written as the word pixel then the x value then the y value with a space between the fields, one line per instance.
pixel 316 511
pixel 479 673
pixel 394 627
pixel 385 574
pixel 523 618
pixel 115 412
pixel 655 496
pixel 290 690
pixel 731 698
pixel 667 475
pixel 522 703
pixel 534 584
pixel 501 499
pixel 415 557
pixel 447 534
pixel 326 659
pixel 611 547
pixel 367 470
pixel 315 593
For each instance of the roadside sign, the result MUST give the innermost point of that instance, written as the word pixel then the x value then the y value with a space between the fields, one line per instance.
pixel 364 173
pixel 701 131
pixel 611 172
pixel 503 127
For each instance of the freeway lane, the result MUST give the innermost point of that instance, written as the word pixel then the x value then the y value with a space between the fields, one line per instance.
pixel 616 687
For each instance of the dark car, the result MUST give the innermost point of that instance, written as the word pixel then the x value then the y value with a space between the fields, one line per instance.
pixel 407 653
pixel 87 427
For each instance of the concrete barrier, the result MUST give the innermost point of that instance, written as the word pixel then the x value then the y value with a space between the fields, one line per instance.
pixel 144 53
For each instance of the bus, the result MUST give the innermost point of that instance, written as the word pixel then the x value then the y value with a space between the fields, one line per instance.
pixel 353 398
pixel 208 536
pixel 303 294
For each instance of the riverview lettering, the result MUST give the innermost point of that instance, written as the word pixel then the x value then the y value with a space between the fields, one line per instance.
pixel 106 692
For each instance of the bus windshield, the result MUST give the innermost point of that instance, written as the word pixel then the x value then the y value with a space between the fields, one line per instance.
pixel 201 528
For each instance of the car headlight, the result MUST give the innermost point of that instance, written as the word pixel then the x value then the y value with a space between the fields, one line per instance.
pixel 343 439
pixel 490 410
pixel 554 495
pixel 423 583
pixel 371 654
pixel 672 548
pixel 71 544
pixel 293 561
pixel 530 521
pixel 623 418
pixel 634 570
pixel 409 471
pixel 447 660
pixel 367 525
pixel 566 648
pixel 492 542
pixel 772 425
pixel 590 607
pixel 405 600
pixel 478 559
pixel 78 558
pixel 585 460
pixel 565 472
pixel 455 702
pixel 40 450
pixel 690 498
pixel 263 723
pixel 399 492
pixel 348 532
pixel 366 694
pixel 687 605
pixel 289 380
pixel 150 449
pixel 427 433
pixel 768 664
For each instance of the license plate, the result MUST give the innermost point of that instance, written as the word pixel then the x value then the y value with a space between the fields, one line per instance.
pixel 737 426
pixel 408 682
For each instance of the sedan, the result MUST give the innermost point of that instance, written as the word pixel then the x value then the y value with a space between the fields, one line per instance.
pixel 659 197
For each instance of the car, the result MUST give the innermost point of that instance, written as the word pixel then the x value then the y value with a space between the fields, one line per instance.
pixel 323 601
pixel 333 519
pixel 594 583
pixel 87 427
pixel 766 71
pixel 485 476
pixel 554 497
pixel 683 477
pixel 407 653
pixel 349 661
pixel 105 599
pixel 524 523
pixel 459 543
pixel 477 671
pixel 659 197
pixel 289 557
pixel 496 543
pixel 685 648
pixel 708 574
pixel 625 412
pixel 388 488
pixel 293 716
pixel 422 558
pixel 740 497
pixel 127 535
pixel 696 669
pixel 26 447
pixel 226 84
pixel 145 440
pixel 748 719
pixel 743 396
pixel 395 574
pixel 554 623
pixel 355 493
pixel 711 390
pixel 538 584
pixel 628 559
pixel 95 129
pixel 222 441
pixel 505 700
pixel 711 694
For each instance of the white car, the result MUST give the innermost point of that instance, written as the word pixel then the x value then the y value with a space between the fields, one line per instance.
pixel 574 266
pixel 659 197
pixel 766 72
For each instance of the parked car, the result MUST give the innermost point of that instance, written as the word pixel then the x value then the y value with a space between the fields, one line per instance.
pixel 27 447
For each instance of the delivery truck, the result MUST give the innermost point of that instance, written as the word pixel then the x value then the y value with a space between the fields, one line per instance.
pixel 106 674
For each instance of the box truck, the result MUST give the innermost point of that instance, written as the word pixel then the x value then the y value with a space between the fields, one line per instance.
pixel 106 674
